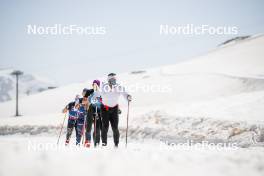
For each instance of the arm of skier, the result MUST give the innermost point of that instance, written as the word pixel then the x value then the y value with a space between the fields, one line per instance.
pixel 88 93
pixel 65 110
pixel 126 96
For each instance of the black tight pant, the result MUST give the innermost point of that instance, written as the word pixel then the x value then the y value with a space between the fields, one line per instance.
pixel 90 122
pixel 110 115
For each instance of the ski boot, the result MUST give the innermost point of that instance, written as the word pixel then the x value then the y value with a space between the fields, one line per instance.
pixel 87 144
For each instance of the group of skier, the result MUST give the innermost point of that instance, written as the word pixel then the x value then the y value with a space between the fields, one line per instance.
pixel 97 107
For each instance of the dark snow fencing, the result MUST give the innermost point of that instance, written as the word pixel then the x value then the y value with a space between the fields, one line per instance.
pixel 28 130
pixel 171 129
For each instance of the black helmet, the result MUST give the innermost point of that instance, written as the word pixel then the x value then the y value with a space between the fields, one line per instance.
pixel 111 74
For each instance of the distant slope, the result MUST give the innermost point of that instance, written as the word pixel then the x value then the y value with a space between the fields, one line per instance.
pixel 243 58
pixel 28 84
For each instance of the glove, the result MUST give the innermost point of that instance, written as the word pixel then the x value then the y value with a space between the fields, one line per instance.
pixel 129 98
pixel 64 110
pixel 119 111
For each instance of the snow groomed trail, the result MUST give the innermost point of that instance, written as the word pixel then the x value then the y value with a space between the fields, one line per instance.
pixel 40 155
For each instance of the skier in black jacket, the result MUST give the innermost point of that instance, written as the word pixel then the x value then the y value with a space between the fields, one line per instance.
pixel 93 115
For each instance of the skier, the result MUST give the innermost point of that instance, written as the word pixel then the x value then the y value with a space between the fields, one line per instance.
pixel 110 92
pixel 93 115
pixel 77 110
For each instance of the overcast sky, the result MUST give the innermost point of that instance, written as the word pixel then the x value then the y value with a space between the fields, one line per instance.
pixel 132 40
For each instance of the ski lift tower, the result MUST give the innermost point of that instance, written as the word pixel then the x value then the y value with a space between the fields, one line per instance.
pixel 17 73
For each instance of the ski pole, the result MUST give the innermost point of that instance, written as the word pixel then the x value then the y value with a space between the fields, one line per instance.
pixel 127 121
pixel 61 128
pixel 95 118
pixel 83 130
pixel 84 125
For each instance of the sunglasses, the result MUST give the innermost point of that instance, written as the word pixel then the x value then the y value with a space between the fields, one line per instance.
pixel 112 81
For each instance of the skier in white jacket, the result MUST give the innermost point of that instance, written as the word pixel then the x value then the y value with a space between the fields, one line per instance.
pixel 110 93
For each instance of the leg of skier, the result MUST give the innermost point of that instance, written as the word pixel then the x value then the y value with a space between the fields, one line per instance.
pixel 113 118
pixel 89 123
pixel 70 126
pixel 79 130
pixel 98 130
pixel 97 127
pixel 105 125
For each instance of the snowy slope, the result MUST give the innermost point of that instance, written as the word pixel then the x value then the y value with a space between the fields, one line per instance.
pixel 227 74
pixel 28 84
pixel 231 74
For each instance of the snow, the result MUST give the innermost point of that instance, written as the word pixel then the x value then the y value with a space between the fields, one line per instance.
pixel 145 158
pixel 217 97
